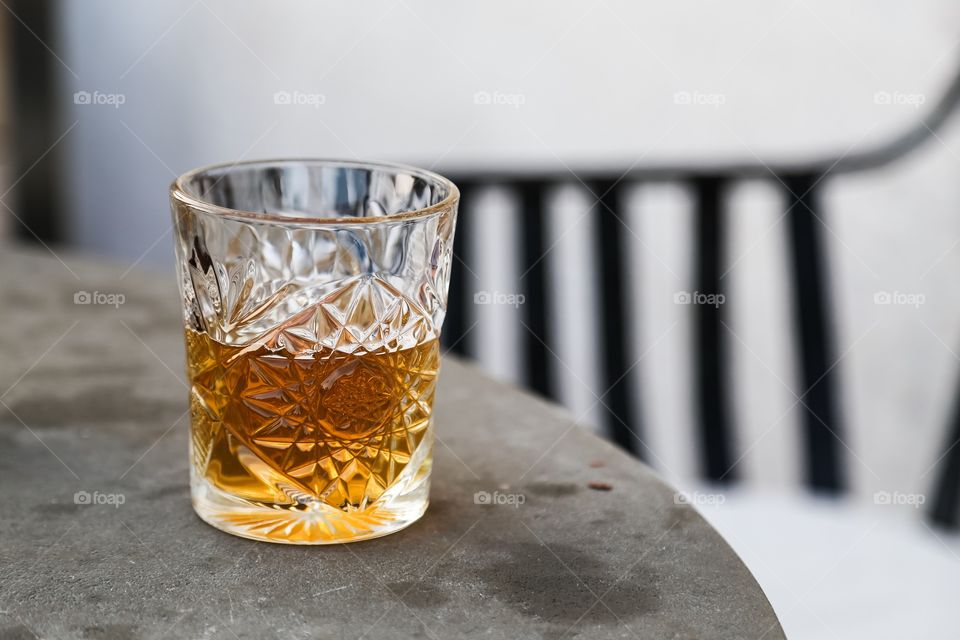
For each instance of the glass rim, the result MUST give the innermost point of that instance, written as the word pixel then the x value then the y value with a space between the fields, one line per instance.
pixel 179 193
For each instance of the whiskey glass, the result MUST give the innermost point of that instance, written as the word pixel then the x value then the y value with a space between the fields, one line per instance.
pixel 313 296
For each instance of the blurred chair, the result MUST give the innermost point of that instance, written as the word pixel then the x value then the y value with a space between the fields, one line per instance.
pixel 824 461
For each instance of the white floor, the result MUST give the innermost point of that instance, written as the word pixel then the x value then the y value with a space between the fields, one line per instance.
pixel 835 570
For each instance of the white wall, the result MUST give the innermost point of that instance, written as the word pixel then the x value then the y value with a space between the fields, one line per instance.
pixel 598 80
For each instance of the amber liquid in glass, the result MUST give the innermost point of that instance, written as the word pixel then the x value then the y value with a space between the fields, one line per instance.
pixel 321 439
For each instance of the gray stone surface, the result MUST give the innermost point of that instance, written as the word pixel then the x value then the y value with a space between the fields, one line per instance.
pixel 94 400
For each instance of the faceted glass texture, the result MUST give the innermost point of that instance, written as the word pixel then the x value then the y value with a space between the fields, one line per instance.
pixel 313 296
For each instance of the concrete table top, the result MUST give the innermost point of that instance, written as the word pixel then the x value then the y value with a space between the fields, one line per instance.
pixel 98 538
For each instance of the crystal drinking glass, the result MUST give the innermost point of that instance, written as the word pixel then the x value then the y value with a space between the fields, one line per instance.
pixel 313 295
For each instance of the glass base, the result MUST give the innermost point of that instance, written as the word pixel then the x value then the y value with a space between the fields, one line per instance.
pixel 310 523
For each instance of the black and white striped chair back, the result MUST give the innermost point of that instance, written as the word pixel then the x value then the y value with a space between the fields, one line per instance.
pixel 824 454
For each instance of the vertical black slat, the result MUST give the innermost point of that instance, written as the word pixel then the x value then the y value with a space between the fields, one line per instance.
pixel 710 336
pixel 618 406
pixel 37 196
pixel 459 299
pixel 538 359
pixel 945 509
pixel 822 429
